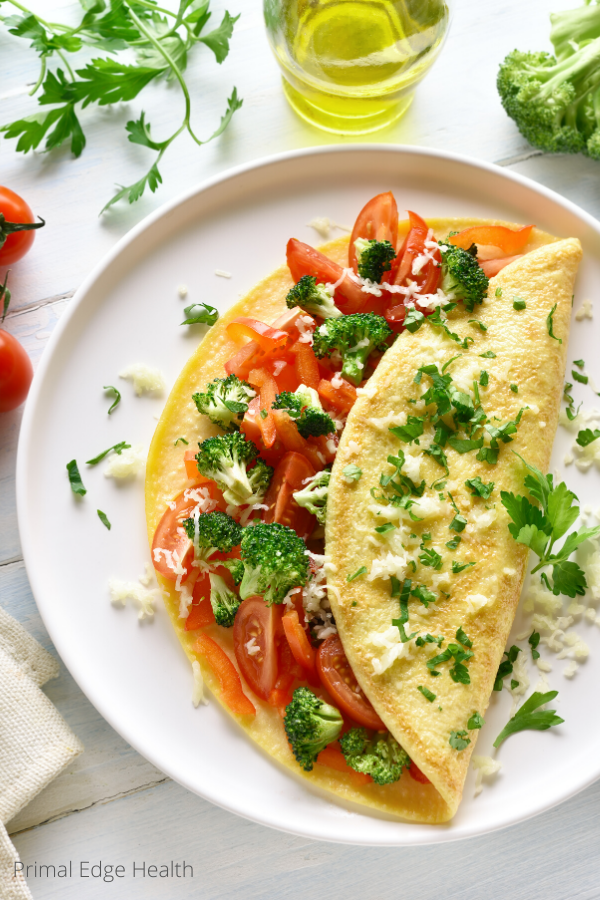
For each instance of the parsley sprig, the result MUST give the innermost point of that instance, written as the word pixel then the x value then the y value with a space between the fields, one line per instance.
pixel 161 40
pixel 530 717
pixel 540 527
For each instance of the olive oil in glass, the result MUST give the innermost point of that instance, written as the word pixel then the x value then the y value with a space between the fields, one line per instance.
pixel 351 66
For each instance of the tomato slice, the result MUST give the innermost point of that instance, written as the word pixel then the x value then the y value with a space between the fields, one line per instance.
pixel 491 267
pixel 509 241
pixel 267 337
pixel 170 538
pixel 254 619
pixel 340 398
pixel 302 259
pixel 416 773
pixel 301 648
pixel 333 758
pixel 338 678
pixel 377 221
pixel 290 476
pixel 428 278
pixel 229 680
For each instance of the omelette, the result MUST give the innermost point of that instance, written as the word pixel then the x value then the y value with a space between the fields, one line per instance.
pixel 446 552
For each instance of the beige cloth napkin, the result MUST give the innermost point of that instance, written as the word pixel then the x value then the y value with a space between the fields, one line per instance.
pixel 35 741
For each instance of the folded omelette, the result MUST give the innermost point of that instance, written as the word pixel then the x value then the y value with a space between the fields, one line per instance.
pixel 518 368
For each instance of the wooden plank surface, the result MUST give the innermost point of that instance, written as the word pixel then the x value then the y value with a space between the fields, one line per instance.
pixel 112 804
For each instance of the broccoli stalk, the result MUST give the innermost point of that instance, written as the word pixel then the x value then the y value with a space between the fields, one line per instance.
pixel 310 724
pixel 225 459
pixel 572 27
pixel 304 407
pixel 314 298
pixel 313 495
pixel 212 532
pixel 225 603
pixel 381 756
pixel 225 401
pixel 462 276
pixel 355 337
pixel 373 258
pixel 275 561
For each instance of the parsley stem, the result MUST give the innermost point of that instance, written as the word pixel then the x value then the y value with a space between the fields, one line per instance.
pixel 66 62
pixel 166 12
pixel 38 83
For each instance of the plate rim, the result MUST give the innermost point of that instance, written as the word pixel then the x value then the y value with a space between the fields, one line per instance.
pixel 427 834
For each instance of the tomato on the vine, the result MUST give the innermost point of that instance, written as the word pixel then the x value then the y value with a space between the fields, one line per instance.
pixel 17 227
pixel 16 372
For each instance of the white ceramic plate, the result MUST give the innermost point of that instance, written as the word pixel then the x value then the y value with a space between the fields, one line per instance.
pixel 128 310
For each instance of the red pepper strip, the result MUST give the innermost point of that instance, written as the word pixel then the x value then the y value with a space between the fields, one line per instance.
pixel 509 241
pixel 262 379
pixel 307 367
pixel 229 680
pixel 267 337
pixel 491 267
pixel 302 259
pixel 300 646
pixel 251 356
pixel 292 440
pixel 333 758
pixel 201 612
pixel 341 398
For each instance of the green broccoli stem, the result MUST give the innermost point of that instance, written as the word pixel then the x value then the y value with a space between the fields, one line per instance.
pixel 575 69
pixel 573 25
pixel 354 364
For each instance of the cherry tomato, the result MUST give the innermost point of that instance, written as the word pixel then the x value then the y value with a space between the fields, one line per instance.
pixel 339 680
pixel 377 221
pixel 290 476
pixel 170 538
pixel 17 227
pixel 254 619
pixel 414 245
pixel 16 372
pixel 509 241
pixel 302 259
pixel 229 680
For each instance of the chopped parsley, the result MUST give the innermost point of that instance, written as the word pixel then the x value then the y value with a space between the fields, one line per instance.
pixel 498 292
pixel 104 519
pixel 426 693
pixel 384 529
pixel 429 639
pixel 479 488
pixel 587 436
pixel 514 388
pixel 402 592
pixel 519 303
pixel 430 558
pixel 413 320
pixel 460 567
pixel 413 429
pixel 422 593
pixel 352 472
pixel 180 440
pixel 550 324
pixel 118 449
pixel 488 355
pixel 437 321
pixel 117 396
pixel 506 666
pixel 462 637
pixel 458 523
pixel 459 740
pixel 453 544
pixel 570 410
pixel 478 324
pixel 476 721
pixel 579 362
pixel 458 672
pixel 465 445
pixel 357 574
pixel 200 314
pixel 533 641
pixel 513 684
pixel 582 379
pixel 530 717
pixel 264 413
pixel 484 378
pixel 75 478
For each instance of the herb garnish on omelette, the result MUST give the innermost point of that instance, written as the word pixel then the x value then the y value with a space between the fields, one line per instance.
pixel 335 542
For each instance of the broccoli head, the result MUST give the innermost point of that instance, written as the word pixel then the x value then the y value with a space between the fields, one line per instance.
pixel 225 603
pixel 225 401
pixel 355 336
pixel 556 105
pixel 374 258
pixel 304 407
pixel 236 567
pixel 310 724
pixel 226 460
pixel 462 276
pixel 214 531
pixel 314 298
pixel 275 561
pixel 380 756
pixel 313 495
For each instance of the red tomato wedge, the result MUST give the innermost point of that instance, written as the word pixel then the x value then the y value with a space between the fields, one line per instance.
pixel 416 773
pixel 302 259
pixel 340 398
pixel 377 221
pixel 170 538
pixel 509 241
pixel 339 680
pixel 201 612
pixel 267 337
pixel 267 385
pixel 491 267
pixel 254 619
pixel 290 476
pixel 428 278
pixel 333 758
pixel 301 648
pixel 229 680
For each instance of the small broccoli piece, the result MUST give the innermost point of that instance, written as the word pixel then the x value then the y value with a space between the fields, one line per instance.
pixel 216 531
pixel 236 567
pixel 462 276
pixel 380 756
pixel 225 401
pixel 310 724
pixel 313 495
pixel 305 408
pixel 275 561
pixel 355 337
pixel 313 297
pixel 225 459
pixel 374 258
pixel 225 603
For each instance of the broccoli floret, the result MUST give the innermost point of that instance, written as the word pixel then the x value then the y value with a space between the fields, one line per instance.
pixel 275 561
pixel 225 401
pixel 314 298
pixel 355 337
pixel 236 567
pixel 374 258
pixel 304 407
pixel 215 531
pixel 225 603
pixel 380 756
pixel 313 495
pixel 310 724
pixel 555 104
pixel 462 276
pixel 225 460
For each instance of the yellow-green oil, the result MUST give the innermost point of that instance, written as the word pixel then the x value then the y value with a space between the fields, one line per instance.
pixel 350 66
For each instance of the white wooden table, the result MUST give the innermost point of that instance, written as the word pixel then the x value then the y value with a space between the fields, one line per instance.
pixel 112 805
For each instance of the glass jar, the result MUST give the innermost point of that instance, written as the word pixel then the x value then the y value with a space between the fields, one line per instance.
pixel 351 66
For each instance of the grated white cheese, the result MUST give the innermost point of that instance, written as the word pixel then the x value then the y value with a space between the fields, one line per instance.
pixel 391 643
pixel 485 767
pixel 314 597
pixel 389 564
pixel 126 464
pixel 222 273
pixel 476 602
pixel 382 423
pixel 353 447
pixel 585 311
pixel 198 687
pixel 182 290
pixel 570 669
pixel 146 380
pixel 144 597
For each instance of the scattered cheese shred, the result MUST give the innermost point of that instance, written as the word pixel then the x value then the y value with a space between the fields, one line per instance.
pixel 485 767
pixel 126 464
pixel 146 380
pixel 585 311
pixel 198 687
